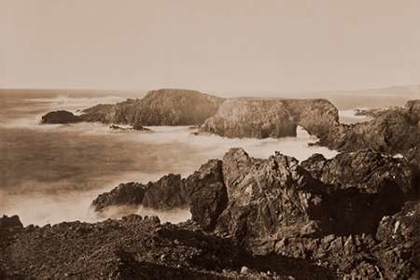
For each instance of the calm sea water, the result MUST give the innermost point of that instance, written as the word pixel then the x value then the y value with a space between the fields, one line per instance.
pixel 51 173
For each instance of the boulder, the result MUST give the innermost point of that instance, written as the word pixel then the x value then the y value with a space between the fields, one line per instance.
pixel 60 117
pixel 128 194
pixel 11 222
pixel 166 194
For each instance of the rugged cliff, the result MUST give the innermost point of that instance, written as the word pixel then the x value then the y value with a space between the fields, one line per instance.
pixel 324 210
pixel 261 118
pixel 394 130
pixel 158 107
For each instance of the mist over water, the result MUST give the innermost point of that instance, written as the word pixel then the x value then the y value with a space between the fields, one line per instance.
pixel 51 173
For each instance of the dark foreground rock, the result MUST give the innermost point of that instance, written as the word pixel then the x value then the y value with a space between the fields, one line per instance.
pixel 60 117
pixel 139 248
pixel 262 118
pixel 10 223
pixel 203 193
pixel 324 211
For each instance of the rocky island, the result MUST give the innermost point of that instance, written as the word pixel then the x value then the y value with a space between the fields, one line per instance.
pixel 159 107
pixel 394 130
pixel 274 117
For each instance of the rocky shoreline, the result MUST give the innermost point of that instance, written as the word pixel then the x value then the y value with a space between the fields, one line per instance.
pixel 393 130
pixel 355 216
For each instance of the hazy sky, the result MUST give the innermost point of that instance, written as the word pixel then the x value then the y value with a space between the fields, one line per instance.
pixel 213 45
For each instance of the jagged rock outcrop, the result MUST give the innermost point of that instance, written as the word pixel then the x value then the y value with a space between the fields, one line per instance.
pixel 268 198
pixel 348 194
pixel 12 222
pixel 328 211
pixel 138 248
pixel 394 253
pixel 203 192
pixel 207 194
pixel 363 187
pixel 394 130
pixel 167 193
pixel 60 117
pixel 262 118
pixel 158 107
pixel 399 247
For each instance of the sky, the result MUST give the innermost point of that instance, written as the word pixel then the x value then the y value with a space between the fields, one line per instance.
pixel 217 45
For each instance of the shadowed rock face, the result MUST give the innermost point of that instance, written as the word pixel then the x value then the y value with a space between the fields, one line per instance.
pixel 348 194
pixel 60 117
pixel 399 247
pixel 12 222
pixel 262 118
pixel 203 192
pixel 393 254
pixel 268 198
pixel 363 187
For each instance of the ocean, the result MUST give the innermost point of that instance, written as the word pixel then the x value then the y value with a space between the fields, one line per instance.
pixel 51 173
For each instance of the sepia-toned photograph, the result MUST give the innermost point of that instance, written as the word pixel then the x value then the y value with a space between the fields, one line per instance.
pixel 193 139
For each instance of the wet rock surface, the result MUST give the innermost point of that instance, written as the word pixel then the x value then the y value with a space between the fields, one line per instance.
pixel 203 193
pixel 136 127
pixel 60 117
